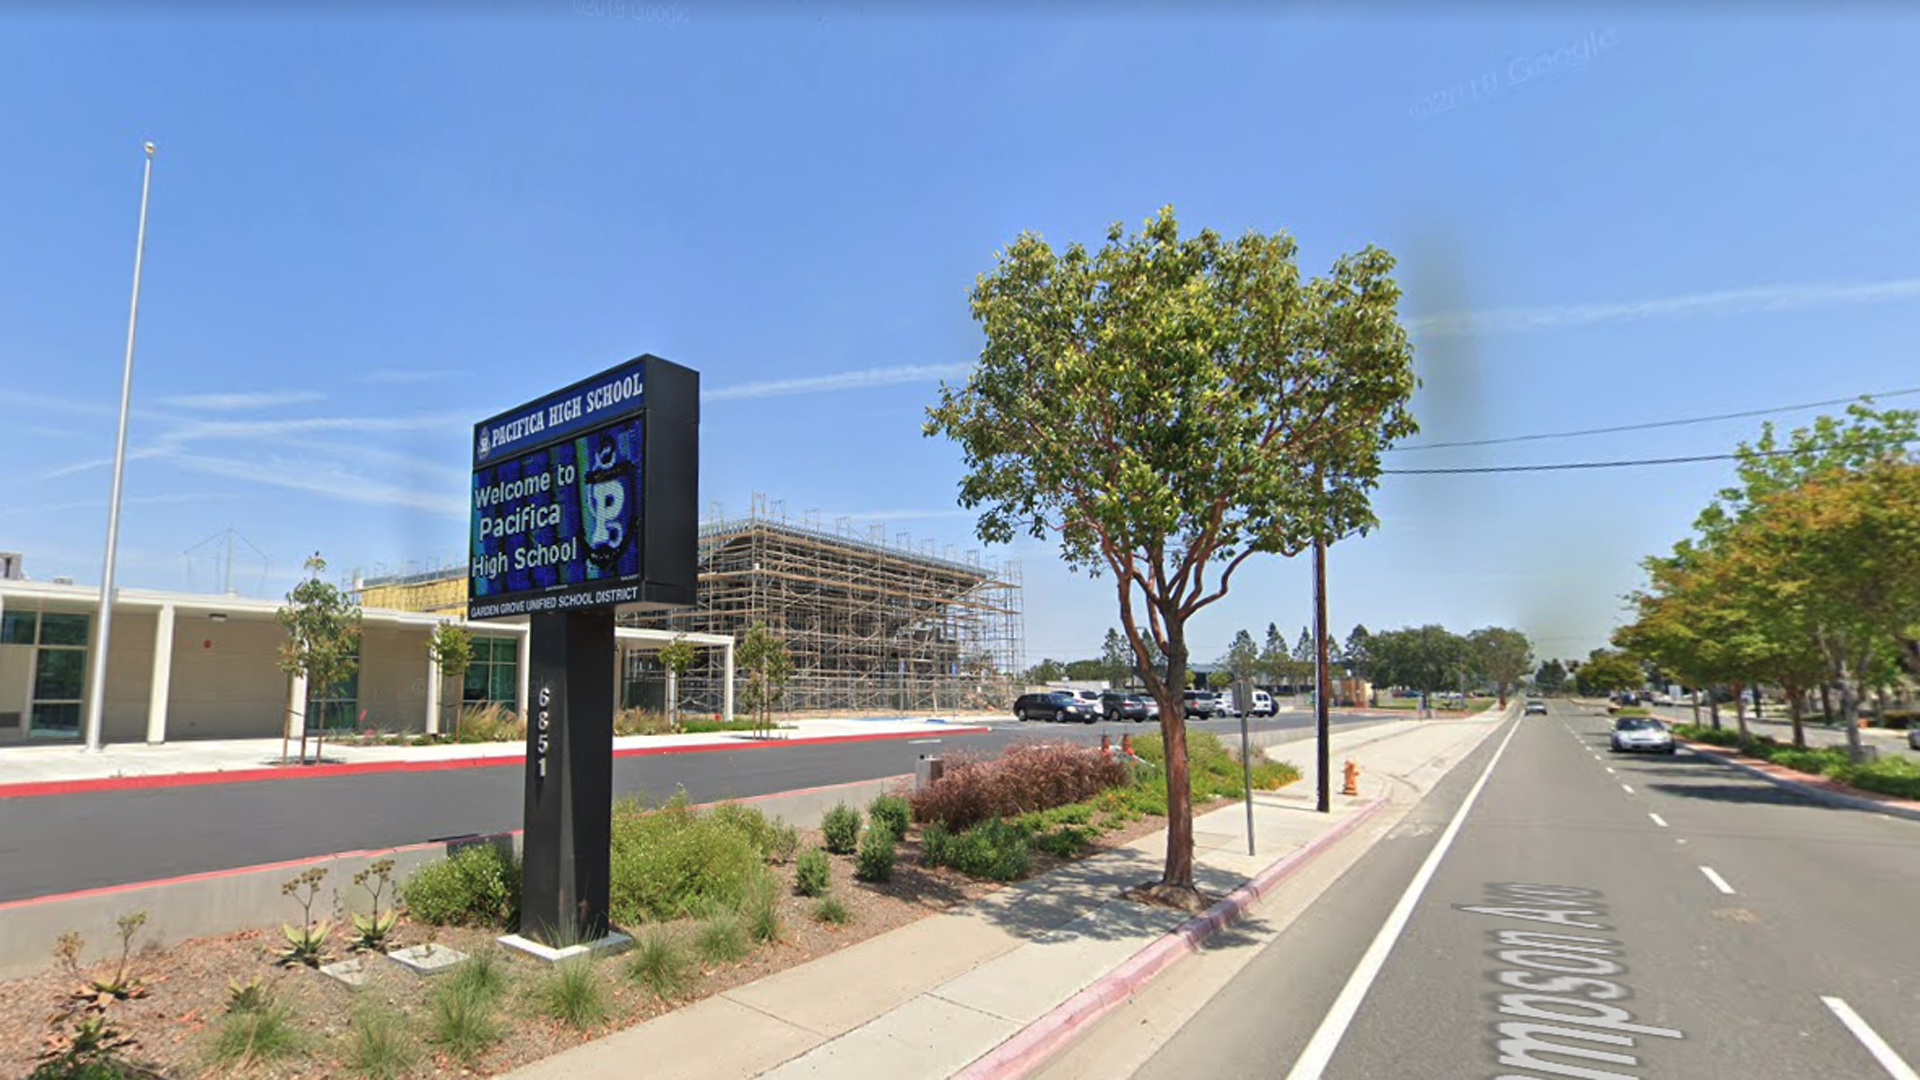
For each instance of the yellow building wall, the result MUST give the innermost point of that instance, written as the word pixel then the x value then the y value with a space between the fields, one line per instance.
pixel 446 596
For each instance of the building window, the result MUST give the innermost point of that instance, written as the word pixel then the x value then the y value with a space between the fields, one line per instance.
pixel 59 667
pixel 493 679
pixel 338 708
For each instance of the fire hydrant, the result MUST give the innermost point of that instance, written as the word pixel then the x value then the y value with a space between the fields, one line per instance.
pixel 1353 780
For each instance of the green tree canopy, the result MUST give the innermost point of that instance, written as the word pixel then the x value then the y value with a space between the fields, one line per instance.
pixel 1608 670
pixel 1425 658
pixel 1500 656
pixel 1168 408
pixel 322 625
pixel 1243 656
pixel 1551 678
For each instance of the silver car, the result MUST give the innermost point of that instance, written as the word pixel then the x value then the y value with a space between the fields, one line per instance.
pixel 1641 734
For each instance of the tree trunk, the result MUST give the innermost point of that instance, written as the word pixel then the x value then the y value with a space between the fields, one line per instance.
pixel 1795 699
pixel 1178 872
pixel 1848 707
pixel 1740 709
pixel 1696 706
pixel 1826 702
pixel 1713 706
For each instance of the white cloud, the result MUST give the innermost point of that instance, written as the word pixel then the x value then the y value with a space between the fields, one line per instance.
pixel 1723 302
pixel 318 478
pixel 845 380
pixel 129 500
pixel 240 402
pixel 861 517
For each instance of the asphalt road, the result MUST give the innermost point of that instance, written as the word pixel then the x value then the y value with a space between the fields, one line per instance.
pixel 61 843
pixel 1694 981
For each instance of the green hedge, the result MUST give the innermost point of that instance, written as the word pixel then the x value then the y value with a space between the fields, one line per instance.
pixel 1896 776
pixel 475 886
pixel 671 862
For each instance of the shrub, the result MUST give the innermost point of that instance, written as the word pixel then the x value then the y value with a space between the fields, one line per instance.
pixel 992 849
pixel 377 1044
pixel 1897 776
pixel 265 1034
pixel 936 844
pixel 1028 776
pixel 661 964
pixel 786 841
pixel 461 1018
pixel 670 862
pixel 721 938
pixel 475 886
pixel 875 861
pixel 749 823
pixel 761 909
pixel 831 911
pixel 641 722
pixel 892 813
pixel 490 723
pixel 841 827
pixel 1816 761
pixel 574 994
pixel 1065 842
pixel 813 873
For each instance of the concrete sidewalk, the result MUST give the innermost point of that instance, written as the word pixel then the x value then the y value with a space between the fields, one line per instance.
pixel 981 989
pixel 71 763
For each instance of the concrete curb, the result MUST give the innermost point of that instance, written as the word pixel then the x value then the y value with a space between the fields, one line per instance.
pixel 1818 788
pixel 1034 1044
pixel 33 788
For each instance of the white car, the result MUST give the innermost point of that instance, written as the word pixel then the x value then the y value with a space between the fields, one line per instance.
pixel 1262 704
pixel 1643 734
pixel 1223 706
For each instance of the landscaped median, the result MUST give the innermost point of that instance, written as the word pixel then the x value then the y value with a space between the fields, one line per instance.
pixel 714 899
pixel 1898 777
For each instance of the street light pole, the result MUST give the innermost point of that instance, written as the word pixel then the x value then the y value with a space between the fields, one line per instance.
pixel 97 688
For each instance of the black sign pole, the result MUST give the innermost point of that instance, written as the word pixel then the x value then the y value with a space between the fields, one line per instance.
pixel 1321 727
pixel 569 807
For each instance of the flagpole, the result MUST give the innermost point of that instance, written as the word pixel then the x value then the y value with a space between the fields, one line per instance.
pixel 97 689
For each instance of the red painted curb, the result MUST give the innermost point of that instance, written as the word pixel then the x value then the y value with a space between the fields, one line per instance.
pixel 209 875
pixel 1040 1040
pixel 33 788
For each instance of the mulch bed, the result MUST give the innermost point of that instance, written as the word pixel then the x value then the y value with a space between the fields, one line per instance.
pixel 189 981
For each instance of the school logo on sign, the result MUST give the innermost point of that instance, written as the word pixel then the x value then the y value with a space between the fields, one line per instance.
pixel 609 500
pixel 486 444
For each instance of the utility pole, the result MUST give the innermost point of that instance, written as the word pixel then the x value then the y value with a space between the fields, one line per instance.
pixel 97 684
pixel 1321 726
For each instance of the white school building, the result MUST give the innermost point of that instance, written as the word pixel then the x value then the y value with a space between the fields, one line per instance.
pixel 202 666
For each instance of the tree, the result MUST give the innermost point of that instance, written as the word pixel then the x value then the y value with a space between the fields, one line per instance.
pixel 451 649
pixel 1116 659
pixel 1243 656
pixel 1500 656
pixel 1608 670
pixel 322 644
pixel 1843 551
pixel 1219 680
pixel 1170 408
pixel 1551 678
pixel 1425 659
pixel 677 656
pixel 1357 652
pixel 1305 669
pixel 768 665
pixel 1275 661
pixel 1046 671
pixel 1086 670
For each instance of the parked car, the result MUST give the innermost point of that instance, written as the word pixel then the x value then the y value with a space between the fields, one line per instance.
pixel 1223 705
pixel 1262 704
pixel 1055 705
pixel 1198 704
pixel 1641 733
pixel 1535 708
pixel 1120 705
pixel 1913 738
pixel 1089 698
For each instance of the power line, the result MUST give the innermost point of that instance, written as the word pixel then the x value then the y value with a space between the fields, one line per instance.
pixel 1628 464
pixel 1650 425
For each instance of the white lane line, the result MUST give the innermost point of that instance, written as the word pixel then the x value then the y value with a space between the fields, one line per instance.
pixel 1657 819
pixel 1718 881
pixel 1626 789
pixel 1610 770
pixel 921 742
pixel 1869 1038
pixel 1333 1027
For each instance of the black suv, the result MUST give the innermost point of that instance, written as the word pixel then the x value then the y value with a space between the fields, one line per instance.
pixel 1054 705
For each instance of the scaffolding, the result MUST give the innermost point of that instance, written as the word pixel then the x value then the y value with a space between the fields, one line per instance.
pixel 872 625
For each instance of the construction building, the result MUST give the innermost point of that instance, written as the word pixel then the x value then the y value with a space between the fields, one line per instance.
pixel 872 624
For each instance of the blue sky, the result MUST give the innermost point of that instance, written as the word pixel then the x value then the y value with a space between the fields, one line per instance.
pixel 368 232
